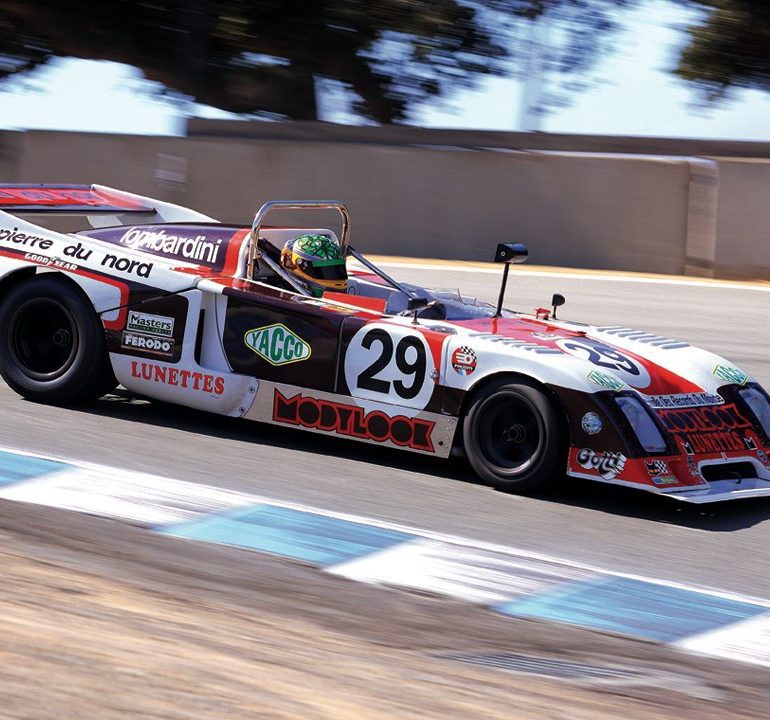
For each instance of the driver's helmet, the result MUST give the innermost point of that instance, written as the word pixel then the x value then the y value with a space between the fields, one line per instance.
pixel 317 261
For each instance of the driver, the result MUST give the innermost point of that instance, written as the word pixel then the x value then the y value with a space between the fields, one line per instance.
pixel 317 261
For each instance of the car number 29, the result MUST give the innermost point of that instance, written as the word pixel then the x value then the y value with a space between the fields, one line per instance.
pixel 390 364
pixel 624 367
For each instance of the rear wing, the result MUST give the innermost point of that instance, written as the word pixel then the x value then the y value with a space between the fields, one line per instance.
pixel 104 206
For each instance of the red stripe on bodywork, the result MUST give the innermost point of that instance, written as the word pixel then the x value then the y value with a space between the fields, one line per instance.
pixel 366 303
pixel 234 251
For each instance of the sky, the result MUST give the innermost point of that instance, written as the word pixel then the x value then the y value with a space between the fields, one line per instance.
pixel 635 95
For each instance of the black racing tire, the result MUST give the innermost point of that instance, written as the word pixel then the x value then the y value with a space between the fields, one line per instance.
pixel 514 437
pixel 52 344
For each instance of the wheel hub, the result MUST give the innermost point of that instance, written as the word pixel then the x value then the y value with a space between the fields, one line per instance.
pixel 43 339
pixel 62 338
pixel 515 434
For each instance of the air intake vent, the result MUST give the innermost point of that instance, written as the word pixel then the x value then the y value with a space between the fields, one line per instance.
pixel 729 471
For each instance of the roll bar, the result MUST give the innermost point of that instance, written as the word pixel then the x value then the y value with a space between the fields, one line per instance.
pixel 271 205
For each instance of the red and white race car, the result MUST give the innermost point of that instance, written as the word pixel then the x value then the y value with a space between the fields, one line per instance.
pixel 173 305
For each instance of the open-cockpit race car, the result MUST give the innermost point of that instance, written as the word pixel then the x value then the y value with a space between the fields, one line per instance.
pixel 292 326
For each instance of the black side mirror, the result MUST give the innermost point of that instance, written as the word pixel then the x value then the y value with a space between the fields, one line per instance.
pixel 557 300
pixel 510 253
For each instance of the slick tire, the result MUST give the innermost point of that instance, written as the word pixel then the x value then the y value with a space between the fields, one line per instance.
pixel 52 345
pixel 514 437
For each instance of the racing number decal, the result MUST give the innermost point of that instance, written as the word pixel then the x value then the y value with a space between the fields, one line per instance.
pixel 389 364
pixel 367 379
pixel 414 368
pixel 605 356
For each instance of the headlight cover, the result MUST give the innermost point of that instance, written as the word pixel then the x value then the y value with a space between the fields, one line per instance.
pixel 758 404
pixel 647 432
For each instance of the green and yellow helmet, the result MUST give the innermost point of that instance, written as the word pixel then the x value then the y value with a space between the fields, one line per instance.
pixel 317 261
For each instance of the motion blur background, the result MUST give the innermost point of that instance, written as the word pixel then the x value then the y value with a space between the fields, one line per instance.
pixel 575 115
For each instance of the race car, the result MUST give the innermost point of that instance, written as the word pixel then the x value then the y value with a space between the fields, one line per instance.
pixel 293 326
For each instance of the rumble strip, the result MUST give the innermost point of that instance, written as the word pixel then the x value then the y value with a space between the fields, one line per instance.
pixel 507 580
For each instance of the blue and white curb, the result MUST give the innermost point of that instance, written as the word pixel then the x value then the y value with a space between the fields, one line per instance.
pixel 509 581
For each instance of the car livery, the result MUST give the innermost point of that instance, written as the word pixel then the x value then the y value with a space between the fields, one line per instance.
pixel 174 305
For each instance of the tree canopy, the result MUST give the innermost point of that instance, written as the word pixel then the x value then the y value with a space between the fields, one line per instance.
pixel 728 48
pixel 263 56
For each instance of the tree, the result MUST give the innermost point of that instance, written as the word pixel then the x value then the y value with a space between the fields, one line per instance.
pixel 729 48
pixel 263 56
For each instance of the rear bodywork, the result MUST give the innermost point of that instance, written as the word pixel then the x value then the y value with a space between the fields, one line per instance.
pixel 189 320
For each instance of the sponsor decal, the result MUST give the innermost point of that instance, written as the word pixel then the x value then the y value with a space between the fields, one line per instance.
pixel 656 467
pixel 692 467
pixel 707 430
pixel 277 344
pixel 75 251
pixel 607 464
pixel 191 247
pixel 147 343
pixel 591 423
pixel 124 264
pixel 665 480
pixel 464 360
pixel 605 380
pixel 159 325
pixel 24 239
pixel 731 374
pixel 113 262
pixel 352 421
pixel 750 443
pixel 57 263
pixel 203 382
pixel 762 455
pixel 660 402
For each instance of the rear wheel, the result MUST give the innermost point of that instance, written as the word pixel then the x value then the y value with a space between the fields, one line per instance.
pixel 52 345
pixel 514 437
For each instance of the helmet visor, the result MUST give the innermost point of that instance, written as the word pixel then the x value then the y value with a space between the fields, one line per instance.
pixel 323 269
pixel 330 271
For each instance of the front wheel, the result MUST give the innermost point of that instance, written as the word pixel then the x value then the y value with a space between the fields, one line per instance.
pixel 514 437
pixel 52 346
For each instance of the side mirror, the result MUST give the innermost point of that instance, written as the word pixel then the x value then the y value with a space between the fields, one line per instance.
pixel 557 300
pixel 510 253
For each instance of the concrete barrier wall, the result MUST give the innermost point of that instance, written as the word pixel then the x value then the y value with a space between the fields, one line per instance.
pixel 625 212
pixel 10 145
pixel 596 211
pixel 743 225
